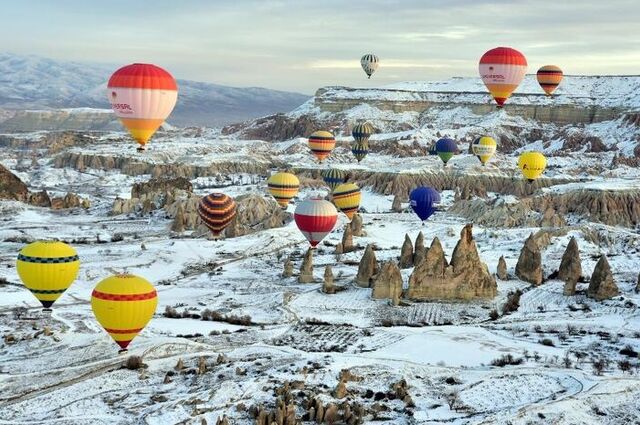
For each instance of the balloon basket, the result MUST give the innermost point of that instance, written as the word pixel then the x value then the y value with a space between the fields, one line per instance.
pixel 140 149
pixel 122 351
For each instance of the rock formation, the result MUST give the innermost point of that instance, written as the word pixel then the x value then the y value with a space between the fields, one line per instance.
pixel 638 284
pixel 396 205
pixel 327 285
pixel 339 249
pixel 529 266
pixel 347 239
pixel 256 212
pixel 11 187
pixel 356 225
pixel 388 283
pixel 602 286
pixel 466 277
pixel 178 220
pixel 288 268
pixel 368 267
pixel 306 270
pixel 570 267
pixel 420 251
pixel 406 253
pixel 501 272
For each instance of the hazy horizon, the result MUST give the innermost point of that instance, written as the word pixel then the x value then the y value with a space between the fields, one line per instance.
pixel 300 46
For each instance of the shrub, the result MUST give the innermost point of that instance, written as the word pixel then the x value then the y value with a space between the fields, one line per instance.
pixel 493 315
pixel 171 312
pixel 628 351
pixel 513 302
pixel 546 341
pixel 624 365
pixel 505 360
pixel 134 363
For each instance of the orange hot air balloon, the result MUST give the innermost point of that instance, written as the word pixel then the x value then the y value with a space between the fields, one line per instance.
pixel 549 78
pixel 217 210
pixel 142 96
pixel 502 70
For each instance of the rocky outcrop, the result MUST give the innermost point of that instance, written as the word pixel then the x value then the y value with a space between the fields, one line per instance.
pixel 288 268
pixel 367 268
pixel 154 194
pixel 420 251
pixel 347 239
pixel 396 205
pixel 11 187
pixel 178 224
pixel 570 267
pixel 501 271
pixel 160 185
pixel 602 285
pixel 306 269
pixel 406 253
pixel 327 285
pixel 356 225
pixel 529 266
pixel 70 200
pixel 638 284
pixel 254 213
pixel 388 283
pixel 465 278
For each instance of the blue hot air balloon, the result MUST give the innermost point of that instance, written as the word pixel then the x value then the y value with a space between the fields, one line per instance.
pixel 446 148
pixel 422 200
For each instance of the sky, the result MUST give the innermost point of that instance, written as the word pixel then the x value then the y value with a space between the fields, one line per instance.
pixel 302 45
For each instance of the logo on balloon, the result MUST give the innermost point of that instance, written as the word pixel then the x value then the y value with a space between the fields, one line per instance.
pixel 114 94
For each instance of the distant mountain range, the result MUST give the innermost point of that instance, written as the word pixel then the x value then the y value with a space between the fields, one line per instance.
pixel 37 83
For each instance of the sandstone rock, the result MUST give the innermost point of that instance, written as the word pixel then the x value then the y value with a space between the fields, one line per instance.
pixel 178 221
pixel 367 268
pixel 388 283
pixel 11 187
pixel 340 391
pixel 529 266
pixel 396 205
pixel 466 277
pixel 288 268
pixel 327 286
pixel 39 199
pixel 602 286
pixel 570 267
pixel 161 185
pixel 356 225
pixel 638 284
pixel 501 272
pixel 339 249
pixel 420 251
pixel 406 253
pixel 254 213
pixel 331 415
pixel 306 270
pixel 551 218
pixel 70 200
pixel 347 239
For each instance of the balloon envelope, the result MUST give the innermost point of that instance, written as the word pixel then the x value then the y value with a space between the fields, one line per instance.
pixel 283 187
pixel 142 97
pixel 446 148
pixel 315 218
pixel 484 147
pixel 532 164
pixel 362 132
pixel 216 211
pixel 334 177
pixel 47 269
pixel 423 200
pixel 502 70
pixel 123 305
pixel 549 78
pixel 369 63
pixel 321 144
pixel 360 150
pixel 347 198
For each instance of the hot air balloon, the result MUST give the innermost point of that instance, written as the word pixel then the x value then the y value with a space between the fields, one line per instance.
pixel 47 269
pixel 369 63
pixel 502 69
pixel 283 187
pixel 549 77
pixel 142 96
pixel 315 218
pixel 360 150
pixel 347 198
pixel 362 132
pixel 322 143
pixel 484 147
pixel 446 148
pixel 123 305
pixel 423 200
pixel 216 211
pixel 334 177
pixel 532 165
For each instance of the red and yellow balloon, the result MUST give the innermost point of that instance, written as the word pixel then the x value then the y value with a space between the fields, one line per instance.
pixel 142 96
pixel 502 70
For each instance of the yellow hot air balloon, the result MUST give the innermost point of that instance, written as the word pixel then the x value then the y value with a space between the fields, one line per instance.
pixel 283 187
pixel 484 147
pixel 347 198
pixel 532 165
pixel 47 269
pixel 123 304
pixel 321 143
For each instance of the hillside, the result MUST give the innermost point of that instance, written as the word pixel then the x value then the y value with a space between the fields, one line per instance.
pixel 36 83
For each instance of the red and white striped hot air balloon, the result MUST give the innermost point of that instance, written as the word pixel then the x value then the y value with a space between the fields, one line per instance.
pixel 142 97
pixel 315 218
pixel 502 70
